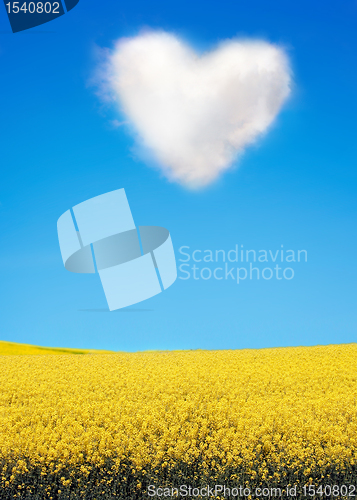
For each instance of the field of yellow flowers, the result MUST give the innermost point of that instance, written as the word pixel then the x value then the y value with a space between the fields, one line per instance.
pixel 10 348
pixel 110 425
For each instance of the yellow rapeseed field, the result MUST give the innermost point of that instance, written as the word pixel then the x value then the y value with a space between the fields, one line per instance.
pixel 10 348
pixel 110 425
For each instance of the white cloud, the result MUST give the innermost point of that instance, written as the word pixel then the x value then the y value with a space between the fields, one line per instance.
pixel 116 123
pixel 196 113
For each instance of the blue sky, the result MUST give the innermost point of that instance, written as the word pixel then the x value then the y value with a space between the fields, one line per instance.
pixel 296 187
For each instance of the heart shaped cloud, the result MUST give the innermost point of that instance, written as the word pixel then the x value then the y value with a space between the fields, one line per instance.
pixel 196 113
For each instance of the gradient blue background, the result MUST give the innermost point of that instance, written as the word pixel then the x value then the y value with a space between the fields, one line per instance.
pixel 297 187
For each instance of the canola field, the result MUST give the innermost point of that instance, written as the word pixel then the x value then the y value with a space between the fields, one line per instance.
pixel 10 348
pixel 113 425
